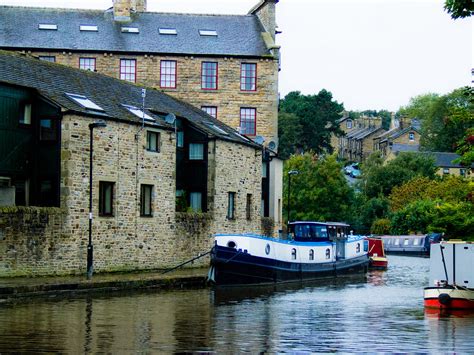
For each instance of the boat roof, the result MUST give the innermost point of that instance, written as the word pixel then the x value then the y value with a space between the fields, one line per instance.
pixel 339 224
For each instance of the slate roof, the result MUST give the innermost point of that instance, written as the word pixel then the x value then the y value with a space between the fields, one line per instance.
pixel 399 147
pixel 237 35
pixel 362 133
pixel 445 160
pixel 53 81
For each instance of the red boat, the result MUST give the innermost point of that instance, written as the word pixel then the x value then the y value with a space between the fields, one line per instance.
pixel 452 276
pixel 377 258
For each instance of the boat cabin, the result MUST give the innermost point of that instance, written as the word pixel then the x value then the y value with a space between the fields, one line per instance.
pixel 318 231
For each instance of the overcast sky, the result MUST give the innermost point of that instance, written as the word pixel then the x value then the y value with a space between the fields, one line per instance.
pixel 371 54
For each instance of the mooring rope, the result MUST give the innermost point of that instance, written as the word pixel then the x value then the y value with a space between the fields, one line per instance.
pixel 186 262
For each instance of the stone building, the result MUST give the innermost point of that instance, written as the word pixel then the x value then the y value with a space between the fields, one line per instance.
pixel 227 65
pixel 156 157
pixel 399 138
pixel 356 144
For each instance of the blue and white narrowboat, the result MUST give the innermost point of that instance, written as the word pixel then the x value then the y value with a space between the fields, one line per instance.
pixel 312 250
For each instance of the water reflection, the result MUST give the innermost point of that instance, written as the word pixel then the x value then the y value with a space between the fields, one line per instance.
pixel 382 312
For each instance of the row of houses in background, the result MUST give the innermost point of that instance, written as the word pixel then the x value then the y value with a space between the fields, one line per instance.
pixel 190 110
pixel 365 135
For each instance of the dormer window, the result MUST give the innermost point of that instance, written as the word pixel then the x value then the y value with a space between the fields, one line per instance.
pixel 47 27
pixel 211 33
pixel 349 124
pixel 167 31
pixel 84 102
pixel 411 136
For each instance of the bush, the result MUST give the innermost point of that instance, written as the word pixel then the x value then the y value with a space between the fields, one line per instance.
pixel 380 226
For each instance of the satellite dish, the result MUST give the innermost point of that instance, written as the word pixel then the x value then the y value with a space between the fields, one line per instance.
pixel 272 145
pixel 259 140
pixel 170 118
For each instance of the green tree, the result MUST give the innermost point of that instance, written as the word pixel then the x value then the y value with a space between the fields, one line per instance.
pixel 459 8
pixel 465 148
pixel 320 191
pixel 379 180
pixel 289 133
pixel 444 119
pixel 318 116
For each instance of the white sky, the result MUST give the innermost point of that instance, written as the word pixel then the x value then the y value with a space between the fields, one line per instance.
pixel 371 54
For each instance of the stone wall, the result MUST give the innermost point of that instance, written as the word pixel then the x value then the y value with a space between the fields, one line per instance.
pixel 237 169
pixel 33 241
pixel 228 98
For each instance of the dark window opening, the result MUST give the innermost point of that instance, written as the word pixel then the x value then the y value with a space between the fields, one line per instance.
pixel 153 141
pixel 146 195
pixel 106 198
pixel 248 207
pixel 231 205
pixel 48 130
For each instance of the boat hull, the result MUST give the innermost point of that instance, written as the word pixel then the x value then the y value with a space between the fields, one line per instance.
pixel 448 297
pixel 378 263
pixel 233 267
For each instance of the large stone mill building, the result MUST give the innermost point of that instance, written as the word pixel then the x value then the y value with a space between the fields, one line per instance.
pixel 158 157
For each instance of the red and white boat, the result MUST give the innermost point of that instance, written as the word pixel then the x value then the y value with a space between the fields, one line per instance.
pixel 451 276
pixel 377 258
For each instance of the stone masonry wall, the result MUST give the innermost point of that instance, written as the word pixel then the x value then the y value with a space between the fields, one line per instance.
pixel 237 169
pixel 125 241
pixel 228 97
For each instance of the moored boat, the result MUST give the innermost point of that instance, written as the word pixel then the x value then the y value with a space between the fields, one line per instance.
pixel 415 245
pixel 313 250
pixel 451 276
pixel 377 258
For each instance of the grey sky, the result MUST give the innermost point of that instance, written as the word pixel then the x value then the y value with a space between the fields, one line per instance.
pixel 371 54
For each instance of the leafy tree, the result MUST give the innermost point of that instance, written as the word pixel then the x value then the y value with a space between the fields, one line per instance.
pixel 320 191
pixel 318 115
pixel 414 217
pixel 386 118
pixel 378 179
pixel 380 226
pixel 289 133
pixel 465 148
pixel 444 119
pixel 459 8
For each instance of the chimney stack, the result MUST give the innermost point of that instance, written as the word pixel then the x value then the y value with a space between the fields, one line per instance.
pixel 265 11
pixel 124 8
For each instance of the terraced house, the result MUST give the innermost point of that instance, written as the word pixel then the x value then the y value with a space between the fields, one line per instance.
pixel 227 65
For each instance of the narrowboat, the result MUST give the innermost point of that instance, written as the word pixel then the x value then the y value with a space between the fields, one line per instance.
pixel 377 258
pixel 416 245
pixel 312 250
pixel 451 276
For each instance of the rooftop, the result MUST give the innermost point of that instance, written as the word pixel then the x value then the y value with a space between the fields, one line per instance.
pixel 186 34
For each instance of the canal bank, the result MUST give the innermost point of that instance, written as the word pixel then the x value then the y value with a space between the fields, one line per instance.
pixel 16 289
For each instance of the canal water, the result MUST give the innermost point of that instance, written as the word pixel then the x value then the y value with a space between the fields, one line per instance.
pixel 380 312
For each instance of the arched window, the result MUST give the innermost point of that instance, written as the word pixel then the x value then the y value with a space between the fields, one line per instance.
pixel 328 253
pixel 293 254
pixel 311 254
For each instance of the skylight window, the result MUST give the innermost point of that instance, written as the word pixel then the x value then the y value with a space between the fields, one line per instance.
pixel 46 26
pixel 130 30
pixel 167 31
pixel 217 128
pixel 208 33
pixel 138 112
pixel 84 102
pixel 88 28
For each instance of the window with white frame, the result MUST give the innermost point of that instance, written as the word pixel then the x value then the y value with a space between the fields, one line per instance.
pixel 196 151
pixel 168 74
pixel 446 171
pixel 210 110
pixel 248 121
pixel 128 70
pixel 349 124
pixel 87 64
pixel 411 136
pixel 153 141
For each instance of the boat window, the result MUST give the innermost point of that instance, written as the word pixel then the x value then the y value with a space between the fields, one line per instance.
pixel 358 248
pixel 231 244
pixel 397 241
pixel 311 254
pixel 310 231
pixel 405 242
pixel 417 241
pixel 293 254
pixel 328 253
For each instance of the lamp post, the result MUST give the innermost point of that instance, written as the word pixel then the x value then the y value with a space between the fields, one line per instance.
pixel 90 248
pixel 290 173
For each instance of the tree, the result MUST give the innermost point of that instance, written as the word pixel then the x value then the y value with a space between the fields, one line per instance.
pixel 317 117
pixel 289 133
pixel 379 180
pixel 319 192
pixel 459 8
pixel 465 148
pixel 444 119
